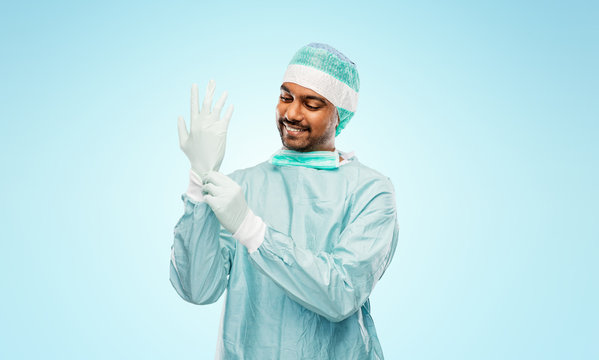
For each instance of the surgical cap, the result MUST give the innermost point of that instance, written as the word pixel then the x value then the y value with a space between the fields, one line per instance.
pixel 323 69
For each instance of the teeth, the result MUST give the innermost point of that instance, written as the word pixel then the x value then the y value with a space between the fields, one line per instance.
pixel 292 129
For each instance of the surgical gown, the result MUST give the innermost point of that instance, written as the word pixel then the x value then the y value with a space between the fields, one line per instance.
pixel 303 294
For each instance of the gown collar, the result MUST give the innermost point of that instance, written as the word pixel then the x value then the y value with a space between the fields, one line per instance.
pixel 326 160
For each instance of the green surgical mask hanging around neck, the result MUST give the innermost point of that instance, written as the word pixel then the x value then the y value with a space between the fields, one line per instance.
pixel 326 160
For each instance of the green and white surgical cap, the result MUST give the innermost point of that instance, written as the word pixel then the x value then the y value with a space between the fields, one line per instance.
pixel 323 69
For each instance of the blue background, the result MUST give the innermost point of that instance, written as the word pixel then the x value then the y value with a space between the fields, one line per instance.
pixel 483 114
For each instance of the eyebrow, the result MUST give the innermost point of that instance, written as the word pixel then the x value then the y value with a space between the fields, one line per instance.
pixel 307 97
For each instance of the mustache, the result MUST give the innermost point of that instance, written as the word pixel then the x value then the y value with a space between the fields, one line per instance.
pixel 284 120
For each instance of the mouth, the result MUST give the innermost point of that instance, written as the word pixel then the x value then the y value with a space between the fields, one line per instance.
pixel 294 130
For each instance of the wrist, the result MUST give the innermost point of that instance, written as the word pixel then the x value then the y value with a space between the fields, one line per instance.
pixel 196 187
pixel 251 231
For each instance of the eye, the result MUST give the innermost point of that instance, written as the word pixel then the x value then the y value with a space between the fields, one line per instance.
pixel 312 107
pixel 285 98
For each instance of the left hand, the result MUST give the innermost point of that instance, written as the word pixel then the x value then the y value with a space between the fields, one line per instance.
pixel 205 142
pixel 226 199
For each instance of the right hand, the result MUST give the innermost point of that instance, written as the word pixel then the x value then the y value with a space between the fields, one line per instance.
pixel 226 199
pixel 205 143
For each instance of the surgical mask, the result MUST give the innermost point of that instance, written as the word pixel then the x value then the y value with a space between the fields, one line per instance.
pixel 326 160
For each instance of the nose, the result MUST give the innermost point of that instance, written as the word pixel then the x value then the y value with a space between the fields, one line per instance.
pixel 294 111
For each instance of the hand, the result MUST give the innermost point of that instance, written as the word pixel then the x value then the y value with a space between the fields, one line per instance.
pixel 205 143
pixel 226 199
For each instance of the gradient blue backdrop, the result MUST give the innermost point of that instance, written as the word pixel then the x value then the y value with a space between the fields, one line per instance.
pixel 483 114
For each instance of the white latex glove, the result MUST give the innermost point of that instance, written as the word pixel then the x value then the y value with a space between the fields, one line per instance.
pixel 226 199
pixel 205 143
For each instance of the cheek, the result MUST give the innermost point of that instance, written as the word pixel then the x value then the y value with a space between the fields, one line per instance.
pixel 280 110
pixel 323 122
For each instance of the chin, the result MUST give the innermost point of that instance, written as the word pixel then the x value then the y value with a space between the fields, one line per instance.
pixel 294 146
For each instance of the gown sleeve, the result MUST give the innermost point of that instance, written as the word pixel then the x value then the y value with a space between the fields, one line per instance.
pixel 201 254
pixel 337 283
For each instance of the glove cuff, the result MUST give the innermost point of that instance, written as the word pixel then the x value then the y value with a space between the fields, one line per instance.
pixel 195 188
pixel 251 231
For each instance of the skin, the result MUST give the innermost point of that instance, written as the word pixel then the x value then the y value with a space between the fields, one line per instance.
pixel 302 108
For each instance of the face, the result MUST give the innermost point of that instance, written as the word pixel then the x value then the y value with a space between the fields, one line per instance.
pixel 306 120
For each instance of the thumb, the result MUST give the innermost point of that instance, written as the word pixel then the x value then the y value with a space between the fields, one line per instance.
pixel 209 199
pixel 182 131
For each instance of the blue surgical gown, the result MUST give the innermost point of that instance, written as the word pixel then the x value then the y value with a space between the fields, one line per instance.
pixel 303 294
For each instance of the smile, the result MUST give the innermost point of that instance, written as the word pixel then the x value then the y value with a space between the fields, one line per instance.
pixel 293 129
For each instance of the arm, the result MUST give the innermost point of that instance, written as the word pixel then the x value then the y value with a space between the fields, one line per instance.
pixel 336 284
pixel 332 284
pixel 201 256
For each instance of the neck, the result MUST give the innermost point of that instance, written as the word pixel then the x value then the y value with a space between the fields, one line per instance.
pixel 325 149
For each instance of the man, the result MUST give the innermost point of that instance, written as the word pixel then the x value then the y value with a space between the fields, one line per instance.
pixel 299 241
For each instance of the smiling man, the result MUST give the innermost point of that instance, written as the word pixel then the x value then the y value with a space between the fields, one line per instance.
pixel 298 241
pixel 306 120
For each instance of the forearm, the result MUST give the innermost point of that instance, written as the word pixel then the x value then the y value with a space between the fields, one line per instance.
pixel 330 284
pixel 199 266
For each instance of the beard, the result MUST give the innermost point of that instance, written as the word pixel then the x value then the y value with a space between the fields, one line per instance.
pixel 306 141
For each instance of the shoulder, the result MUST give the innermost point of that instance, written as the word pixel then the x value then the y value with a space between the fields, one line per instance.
pixel 372 193
pixel 365 177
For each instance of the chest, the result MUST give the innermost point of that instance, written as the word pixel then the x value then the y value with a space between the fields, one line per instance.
pixel 311 206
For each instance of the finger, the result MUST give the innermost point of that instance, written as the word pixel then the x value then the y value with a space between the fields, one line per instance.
pixel 220 103
pixel 194 100
pixel 227 117
pixel 210 189
pixel 183 134
pixel 208 98
pixel 216 178
pixel 210 177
